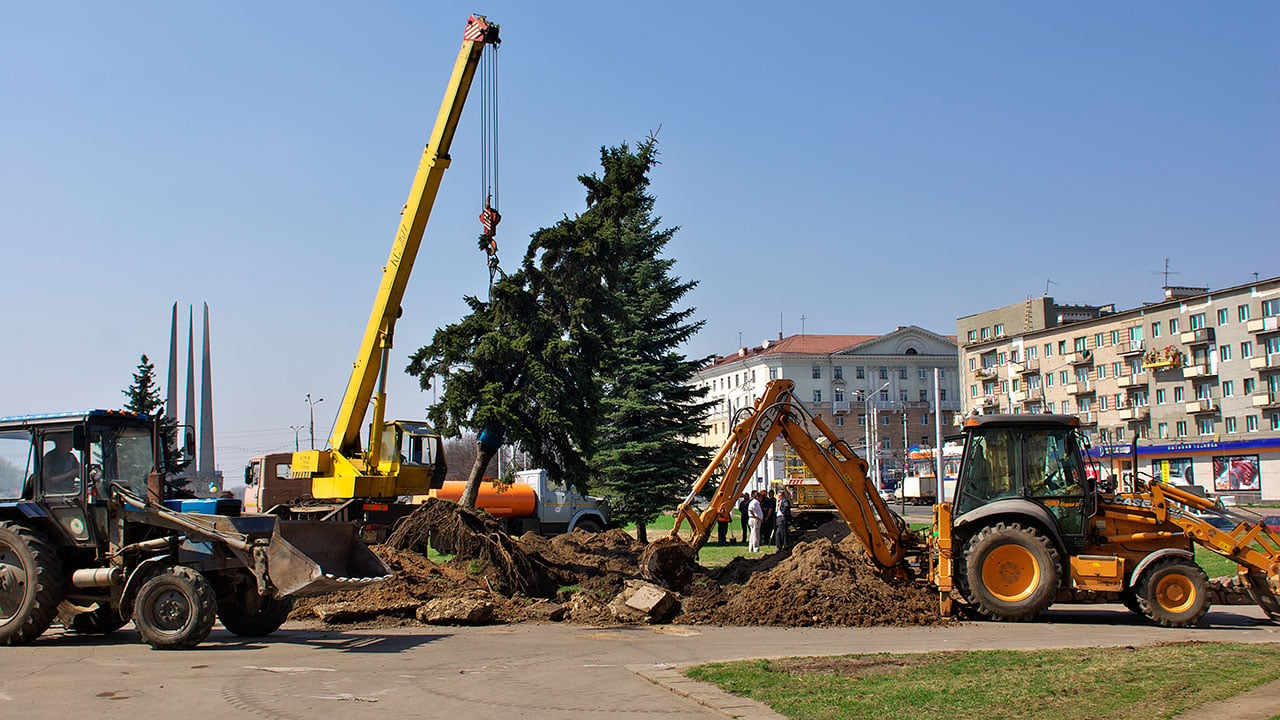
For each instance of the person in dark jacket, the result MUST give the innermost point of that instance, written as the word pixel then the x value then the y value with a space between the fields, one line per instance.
pixel 782 518
pixel 770 503
pixel 742 514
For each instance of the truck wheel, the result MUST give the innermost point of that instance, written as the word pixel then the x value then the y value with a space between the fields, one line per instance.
pixel 175 609
pixel 588 525
pixel 1262 594
pixel 1130 600
pixel 248 614
pixel 101 621
pixel 31 584
pixel 1012 572
pixel 1173 594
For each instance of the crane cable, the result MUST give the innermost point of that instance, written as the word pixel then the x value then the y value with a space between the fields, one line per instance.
pixel 489 216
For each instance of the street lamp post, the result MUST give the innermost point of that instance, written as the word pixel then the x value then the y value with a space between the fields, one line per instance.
pixel 873 450
pixel 311 406
pixel 296 429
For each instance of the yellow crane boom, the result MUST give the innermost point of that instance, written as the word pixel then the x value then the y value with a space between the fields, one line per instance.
pixel 346 469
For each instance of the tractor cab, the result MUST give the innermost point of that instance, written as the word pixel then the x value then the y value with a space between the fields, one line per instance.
pixel 1026 466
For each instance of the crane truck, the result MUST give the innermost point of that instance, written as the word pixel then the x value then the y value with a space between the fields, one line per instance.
pixel 348 480
pixel 1028 525
pixel 88 536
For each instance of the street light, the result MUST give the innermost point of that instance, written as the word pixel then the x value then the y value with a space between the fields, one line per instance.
pixel 311 405
pixel 296 429
pixel 871 432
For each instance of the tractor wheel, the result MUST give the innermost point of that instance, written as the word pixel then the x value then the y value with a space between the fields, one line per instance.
pixel 245 613
pixel 1130 600
pixel 175 609
pixel 1173 593
pixel 1261 592
pixel 1011 572
pixel 31 584
pixel 103 620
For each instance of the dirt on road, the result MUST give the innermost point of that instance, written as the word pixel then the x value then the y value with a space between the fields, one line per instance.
pixel 823 580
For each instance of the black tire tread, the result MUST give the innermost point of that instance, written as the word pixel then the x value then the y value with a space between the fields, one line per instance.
pixel 1151 608
pixel 49 581
pixel 204 607
pixel 1039 601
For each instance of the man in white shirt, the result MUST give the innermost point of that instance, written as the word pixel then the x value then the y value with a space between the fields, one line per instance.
pixel 755 514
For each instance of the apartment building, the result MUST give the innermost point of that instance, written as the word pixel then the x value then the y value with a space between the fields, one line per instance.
pixel 1193 378
pixel 846 380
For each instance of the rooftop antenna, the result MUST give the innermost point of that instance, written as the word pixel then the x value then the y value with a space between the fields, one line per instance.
pixel 1166 272
pixel 739 339
pixel 802 319
pixel 1047 283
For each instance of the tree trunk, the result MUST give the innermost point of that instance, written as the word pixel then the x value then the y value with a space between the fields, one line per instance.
pixel 641 533
pixel 472 491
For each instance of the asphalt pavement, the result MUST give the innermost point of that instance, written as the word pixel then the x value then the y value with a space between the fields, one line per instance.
pixel 526 671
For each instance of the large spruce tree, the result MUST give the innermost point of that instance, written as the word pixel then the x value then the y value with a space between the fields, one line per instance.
pixel 144 397
pixel 645 459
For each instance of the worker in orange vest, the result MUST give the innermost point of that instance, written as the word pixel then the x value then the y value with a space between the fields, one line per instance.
pixel 722 524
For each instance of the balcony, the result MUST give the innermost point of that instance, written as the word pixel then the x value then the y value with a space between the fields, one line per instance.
pixel 1201 407
pixel 839 407
pixel 1132 381
pixel 1026 367
pixel 1263 363
pixel 1263 326
pixel 1082 357
pixel 1087 417
pixel 1169 358
pixel 989 402
pixel 1080 388
pixel 1135 413
pixel 1201 336
pixel 1031 395
pixel 1129 348
pixel 986 373
pixel 1198 371
pixel 1266 400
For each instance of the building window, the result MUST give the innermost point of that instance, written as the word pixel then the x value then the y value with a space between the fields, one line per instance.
pixel 1159 396
pixel 1155 329
pixel 1227 387
pixel 1066 407
pixel 902 396
pixel 1222 316
pixel 973 391
pixel 1177 394
pixel 837 372
pixel 1115 337
pixel 1162 430
pixel 1248 386
pixel 942 374
pixel 942 394
pixel 973 363
pixel 1242 312
pixel 1204 426
pixel 1246 349
pixel 1048 350
pixel 1229 424
pixel 1181 428
pixel 923 374
pixel 817 372
pixel 884 396
pixel 817 396
pixel 1098 340
pixel 838 394
pixel 1270 308
pixel 1197 321
pixel 1031 353
pixel 885 419
pixel 1275 421
pixel 839 421
pixel 1224 352
pixel 884 373
pixel 1079 344
pixel 1102 372
pixel 986 333
pixel 1251 423
pixel 862 420
pixel 1102 402
pixel 999 329
pixel 924 419
pixel 902 373
pixel 973 335
pixel 1202 392
pixel 1173 326
pixel 1048 380
pixel 1120 434
pixel 1062 347
pixel 773 373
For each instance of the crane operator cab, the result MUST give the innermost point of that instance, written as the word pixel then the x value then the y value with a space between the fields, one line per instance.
pixel 412 449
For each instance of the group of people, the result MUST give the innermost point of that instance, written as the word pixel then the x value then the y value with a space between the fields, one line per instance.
pixel 765 517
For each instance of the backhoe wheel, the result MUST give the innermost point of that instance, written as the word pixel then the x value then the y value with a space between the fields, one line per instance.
pixel 1261 592
pixel 244 612
pixel 1130 600
pixel 175 609
pixel 31 584
pixel 102 620
pixel 1173 593
pixel 1012 572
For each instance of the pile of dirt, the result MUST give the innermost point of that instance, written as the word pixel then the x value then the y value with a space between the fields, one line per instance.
pixel 579 577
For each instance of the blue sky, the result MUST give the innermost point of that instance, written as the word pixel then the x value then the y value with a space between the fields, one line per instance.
pixel 858 165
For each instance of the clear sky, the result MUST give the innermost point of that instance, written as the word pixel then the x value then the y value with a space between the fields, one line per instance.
pixel 836 167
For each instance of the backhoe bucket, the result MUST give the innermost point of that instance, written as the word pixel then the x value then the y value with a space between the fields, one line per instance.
pixel 309 557
pixel 1263 593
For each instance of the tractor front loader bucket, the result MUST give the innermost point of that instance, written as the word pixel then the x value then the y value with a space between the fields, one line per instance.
pixel 308 557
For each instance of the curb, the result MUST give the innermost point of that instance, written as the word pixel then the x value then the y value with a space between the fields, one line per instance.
pixel 668 676
pixel 1260 703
